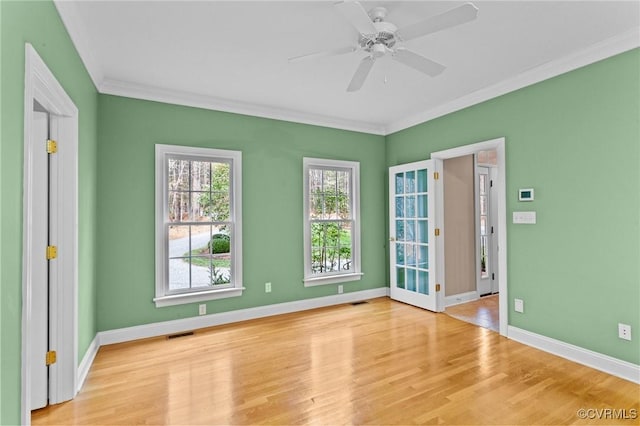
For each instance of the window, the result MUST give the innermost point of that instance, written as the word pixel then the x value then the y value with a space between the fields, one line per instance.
pixel 331 221
pixel 198 224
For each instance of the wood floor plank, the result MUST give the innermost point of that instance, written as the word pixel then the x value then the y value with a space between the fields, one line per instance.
pixel 382 362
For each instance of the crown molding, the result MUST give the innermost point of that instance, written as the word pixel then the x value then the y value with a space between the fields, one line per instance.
pixel 72 21
pixel 176 97
pixel 594 53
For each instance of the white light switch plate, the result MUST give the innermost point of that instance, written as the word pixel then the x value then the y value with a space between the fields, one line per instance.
pixel 524 217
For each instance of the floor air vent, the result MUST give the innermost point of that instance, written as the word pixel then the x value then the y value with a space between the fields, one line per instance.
pixel 361 302
pixel 175 336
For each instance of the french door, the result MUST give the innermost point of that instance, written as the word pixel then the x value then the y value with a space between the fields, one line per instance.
pixel 412 234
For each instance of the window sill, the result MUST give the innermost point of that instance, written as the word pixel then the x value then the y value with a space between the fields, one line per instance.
pixel 201 296
pixel 332 279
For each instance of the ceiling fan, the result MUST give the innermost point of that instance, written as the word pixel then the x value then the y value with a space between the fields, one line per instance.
pixel 379 38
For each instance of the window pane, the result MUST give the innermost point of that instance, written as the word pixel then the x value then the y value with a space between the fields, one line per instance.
pixel 178 206
pixel 400 277
pixel 410 182
pixel 400 206
pixel 410 206
pixel 423 282
pixel 177 175
pixel 409 230
pixel 422 180
pixel 423 258
pixel 483 184
pixel 422 206
pixel 423 231
pixel 399 183
pixel 179 277
pixel 400 254
pixel 410 253
pixel 483 204
pixel 411 279
pixel 201 175
pixel 399 230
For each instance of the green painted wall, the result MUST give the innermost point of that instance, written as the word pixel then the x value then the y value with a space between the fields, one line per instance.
pixel 38 23
pixel 272 204
pixel 576 140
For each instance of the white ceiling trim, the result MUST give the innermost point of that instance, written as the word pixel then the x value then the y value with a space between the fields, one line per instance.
pixel 176 97
pixel 597 52
pixel 80 38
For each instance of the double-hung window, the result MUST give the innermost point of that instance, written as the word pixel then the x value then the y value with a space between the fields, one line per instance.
pixel 331 221
pixel 198 224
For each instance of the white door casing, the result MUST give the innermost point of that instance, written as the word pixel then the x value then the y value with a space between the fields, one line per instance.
pixel 42 87
pixel 501 217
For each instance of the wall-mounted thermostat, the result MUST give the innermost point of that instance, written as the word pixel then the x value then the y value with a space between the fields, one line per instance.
pixel 525 194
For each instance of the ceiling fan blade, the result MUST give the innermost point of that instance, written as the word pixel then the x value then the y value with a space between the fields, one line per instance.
pixel 456 16
pixel 418 62
pixel 332 52
pixel 361 74
pixel 357 16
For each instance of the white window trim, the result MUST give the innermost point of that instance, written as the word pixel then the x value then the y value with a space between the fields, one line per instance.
pixel 162 299
pixel 354 274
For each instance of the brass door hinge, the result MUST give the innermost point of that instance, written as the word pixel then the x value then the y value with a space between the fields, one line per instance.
pixel 52 252
pixel 50 358
pixel 52 146
pixel 436 175
pixel 437 287
pixel 437 232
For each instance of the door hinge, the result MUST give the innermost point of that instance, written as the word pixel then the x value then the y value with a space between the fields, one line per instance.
pixel 50 358
pixel 437 232
pixel 436 175
pixel 52 146
pixel 437 287
pixel 492 229
pixel 491 184
pixel 52 252
pixel 493 276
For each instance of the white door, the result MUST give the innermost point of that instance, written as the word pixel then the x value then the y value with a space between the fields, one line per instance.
pixel 495 229
pixel 411 234
pixel 484 255
pixel 486 230
pixel 40 274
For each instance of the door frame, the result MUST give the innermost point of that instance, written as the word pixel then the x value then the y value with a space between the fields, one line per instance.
pixel 42 86
pixel 499 145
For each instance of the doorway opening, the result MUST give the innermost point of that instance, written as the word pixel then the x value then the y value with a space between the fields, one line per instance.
pixel 472 266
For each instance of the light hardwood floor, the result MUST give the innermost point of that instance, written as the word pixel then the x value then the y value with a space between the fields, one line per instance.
pixel 382 362
pixel 483 312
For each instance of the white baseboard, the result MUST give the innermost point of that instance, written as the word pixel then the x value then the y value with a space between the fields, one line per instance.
pixel 186 324
pixel 87 361
pixel 610 365
pixel 458 299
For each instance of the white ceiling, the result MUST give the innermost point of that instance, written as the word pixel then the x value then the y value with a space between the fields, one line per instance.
pixel 233 55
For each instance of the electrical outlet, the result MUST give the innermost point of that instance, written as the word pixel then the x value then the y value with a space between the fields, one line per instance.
pixel 202 309
pixel 340 289
pixel 624 331
pixel 267 287
pixel 518 305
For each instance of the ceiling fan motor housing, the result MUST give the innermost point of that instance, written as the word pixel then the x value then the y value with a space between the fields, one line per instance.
pixel 384 38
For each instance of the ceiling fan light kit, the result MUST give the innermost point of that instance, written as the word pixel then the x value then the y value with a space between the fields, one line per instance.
pixel 378 38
